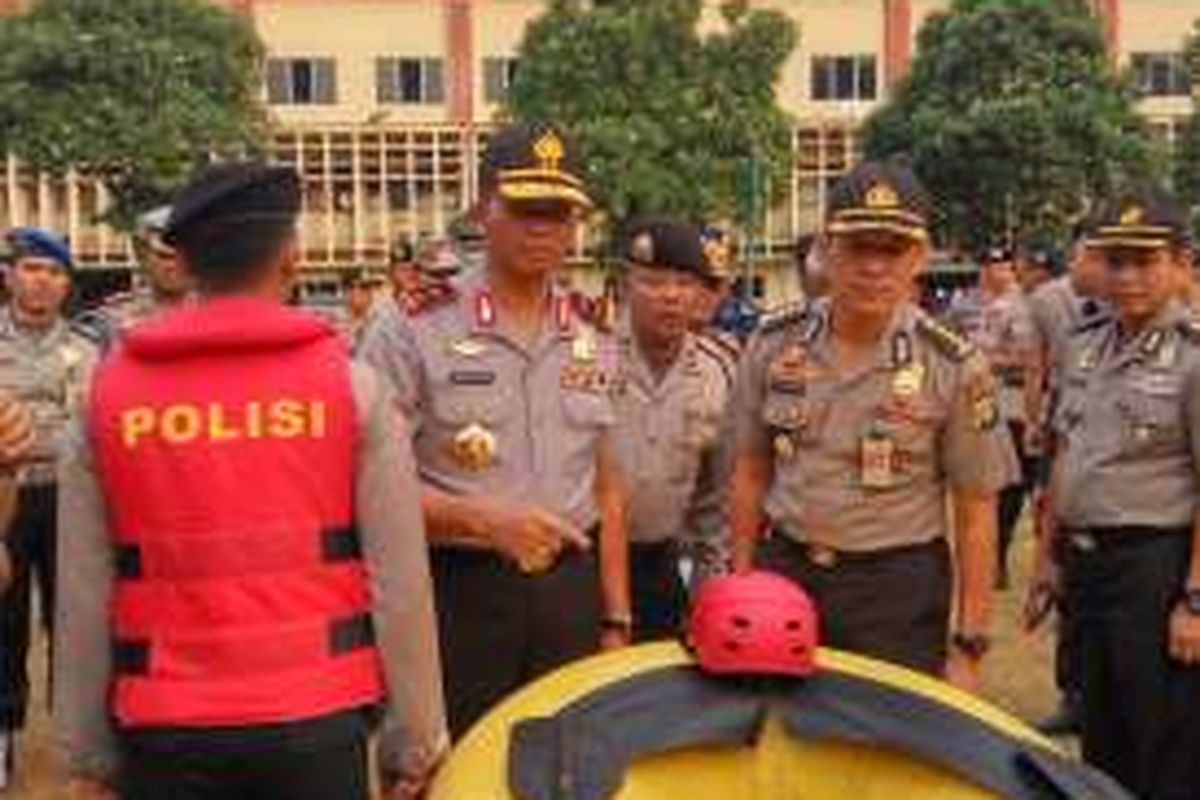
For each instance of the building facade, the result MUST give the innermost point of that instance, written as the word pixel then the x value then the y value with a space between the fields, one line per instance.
pixel 382 106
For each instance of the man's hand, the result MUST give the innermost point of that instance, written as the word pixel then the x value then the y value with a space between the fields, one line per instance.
pixel 412 787
pixel 614 639
pixel 963 671
pixel 16 432
pixel 1044 586
pixel 89 789
pixel 1184 637
pixel 531 537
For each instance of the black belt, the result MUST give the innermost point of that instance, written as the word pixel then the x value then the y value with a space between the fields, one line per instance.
pixel 830 557
pixel 1088 540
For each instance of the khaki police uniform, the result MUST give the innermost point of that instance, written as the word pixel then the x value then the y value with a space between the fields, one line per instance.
pixel 862 463
pixel 45 370
pixel 671 455
pixel 1005 336
pixel 1124 492
pixel 521 423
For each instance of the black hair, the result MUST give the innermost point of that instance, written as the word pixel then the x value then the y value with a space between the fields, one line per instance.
pixel 227 258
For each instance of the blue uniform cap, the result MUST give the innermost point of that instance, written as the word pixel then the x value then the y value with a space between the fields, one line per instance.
pixel 32 242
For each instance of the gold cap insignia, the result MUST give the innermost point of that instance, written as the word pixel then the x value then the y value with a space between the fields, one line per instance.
pixel 641 249
pixel 1133 215
pixel 717 253
pixel 882 196
pixel 549 151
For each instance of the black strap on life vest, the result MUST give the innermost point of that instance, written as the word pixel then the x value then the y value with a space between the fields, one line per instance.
pixel 584 751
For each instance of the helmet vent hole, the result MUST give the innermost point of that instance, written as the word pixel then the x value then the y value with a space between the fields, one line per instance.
pixel 798 650
pixel 732 646
pixel 793 624
pixel 741 623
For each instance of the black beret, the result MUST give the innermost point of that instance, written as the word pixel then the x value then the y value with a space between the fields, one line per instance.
pixel 534 163
pixel 1141 215
pixel 668 245
pixel 232 195
pixel 879 196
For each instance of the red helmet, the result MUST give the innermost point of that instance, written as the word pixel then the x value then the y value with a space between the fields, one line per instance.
pixel 756 623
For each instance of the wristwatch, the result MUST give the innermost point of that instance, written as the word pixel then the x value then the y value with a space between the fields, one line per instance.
pixel 972 645
pixel 1190 600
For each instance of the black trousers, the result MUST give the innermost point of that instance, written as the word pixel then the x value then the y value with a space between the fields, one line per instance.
pixel 1012 498
pixel 32 543
pixel 304 761
pixel 893 605
pixel 500 629
pixel 659 597
pixel 1141 709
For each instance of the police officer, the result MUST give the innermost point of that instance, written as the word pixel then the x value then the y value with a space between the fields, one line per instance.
pixel 1004 335
pixel 359 290
pixel 1057 309
pixel 248 579
pixel 672 397
pixel 854 421
pixel 510 398
pixel 711 294
pixel 1124 493
pixel 43 364
pixel 166 284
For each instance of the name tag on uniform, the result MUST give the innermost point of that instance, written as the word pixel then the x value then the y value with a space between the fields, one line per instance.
pixel 472 378
pixel 1159 385
pixel 876 456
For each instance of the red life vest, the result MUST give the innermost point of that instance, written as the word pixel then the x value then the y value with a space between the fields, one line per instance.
pixel 224 436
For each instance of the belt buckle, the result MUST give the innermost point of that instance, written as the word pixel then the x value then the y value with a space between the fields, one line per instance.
pixel 1084 542
pixel 822 556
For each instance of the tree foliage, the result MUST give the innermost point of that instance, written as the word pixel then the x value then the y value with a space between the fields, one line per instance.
pixel 1187 151
pixel 132 92
pixel 668 118
pixel 1014 116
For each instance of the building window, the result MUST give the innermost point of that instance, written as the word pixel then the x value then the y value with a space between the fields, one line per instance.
pixel 302 81
pixel 844 77
pixel 410 81
pixel 1160 74
pixel 498 76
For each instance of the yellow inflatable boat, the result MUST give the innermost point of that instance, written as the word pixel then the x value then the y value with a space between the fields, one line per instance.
pixel 647 724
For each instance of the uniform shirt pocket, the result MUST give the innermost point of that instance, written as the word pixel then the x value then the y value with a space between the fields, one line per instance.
pixel 1152 416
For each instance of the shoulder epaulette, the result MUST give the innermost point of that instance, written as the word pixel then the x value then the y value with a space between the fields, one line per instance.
pixel 944 339
pixel 1091 324
pixel 720 352
pixel 1190 328
pixel 428 298
pixel 783 317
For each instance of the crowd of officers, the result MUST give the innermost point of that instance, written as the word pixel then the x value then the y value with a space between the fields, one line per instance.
pixel 270 551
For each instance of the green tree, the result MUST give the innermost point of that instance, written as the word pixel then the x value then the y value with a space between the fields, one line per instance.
pixel 1014 117
pixel 133 93
pixel 1187 150
pixel 670 121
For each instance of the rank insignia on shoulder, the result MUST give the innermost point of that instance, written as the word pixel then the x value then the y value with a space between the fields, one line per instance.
pixel 946 341
pixel 783 317
pixel 1190 328
pixel 981 399
pixel 428 298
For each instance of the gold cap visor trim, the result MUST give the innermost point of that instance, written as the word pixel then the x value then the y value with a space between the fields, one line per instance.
pixel 870 226
pixel 539 190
